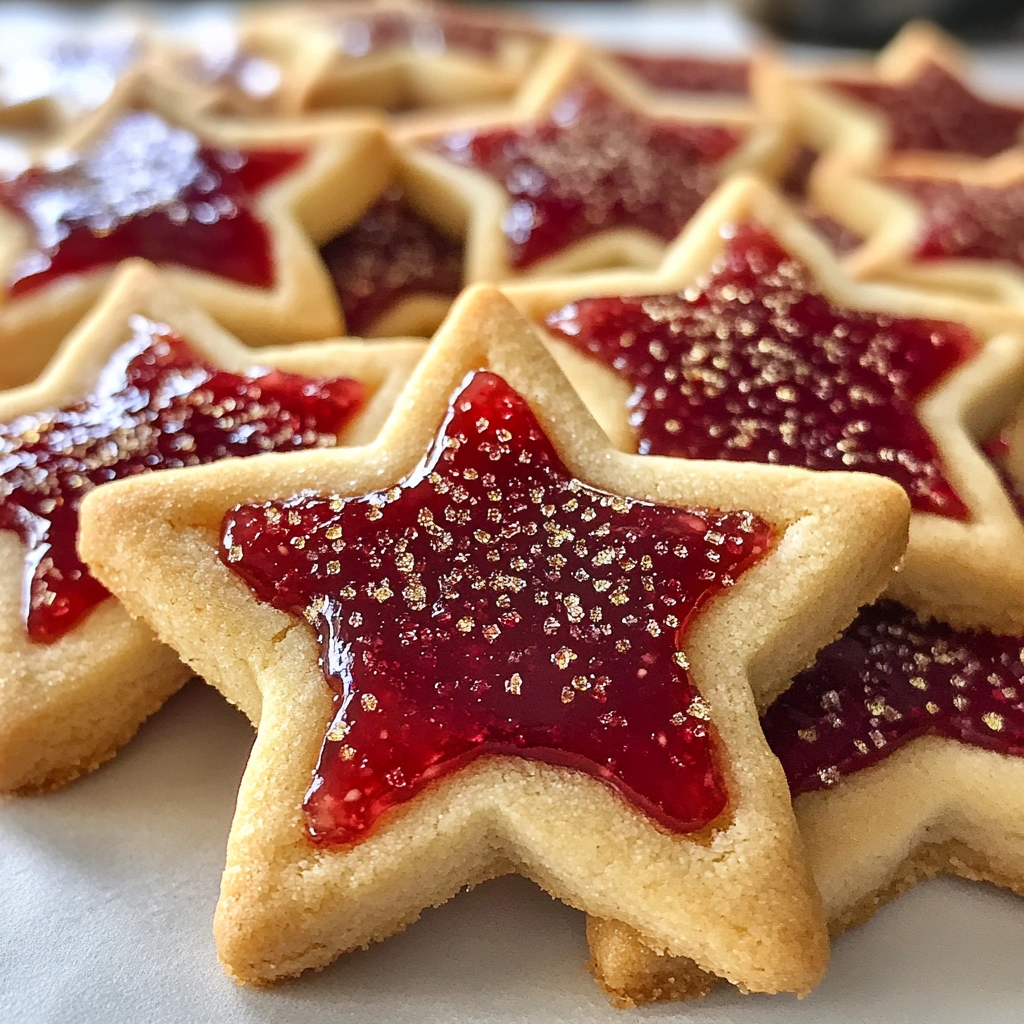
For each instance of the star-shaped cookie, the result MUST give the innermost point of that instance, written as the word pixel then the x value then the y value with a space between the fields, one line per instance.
pixel 933 221
pixel 585 169
pixel 913 97
pixel 232 211
pixel 403 55
pixel 751 343
pixel 146 381
pixel 439 673
pixel 904 750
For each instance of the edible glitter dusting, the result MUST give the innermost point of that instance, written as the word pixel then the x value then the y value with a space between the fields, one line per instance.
pixel 492 603
pixel 935 111
pixel 156 405
pixel 592 165
pixel 890 678
pixel 146 188
pixel 721 77
pixel 391 253
pixel 964 221
pixel 753 363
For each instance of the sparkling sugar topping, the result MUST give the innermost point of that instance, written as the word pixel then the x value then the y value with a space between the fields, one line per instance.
pixel 146 188
pixel 157 405
pixel 936 111
pixel 391 253
pixel 753 363
pixel 593 165
pixel 963 221
pixel 889 678
pixel 492 603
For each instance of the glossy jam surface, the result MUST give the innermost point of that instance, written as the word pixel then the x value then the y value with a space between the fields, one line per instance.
pixel 389 254
pixel 689 74
pixel 76 72
pixel 493 604
pixel 889 678
pixel 594 165
pixel 754 364
pixel 156 405
pixel 935 111
pixel 963 221
pixel 150 189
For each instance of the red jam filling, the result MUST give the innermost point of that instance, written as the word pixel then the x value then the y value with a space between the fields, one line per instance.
pixel 592 166
pixel 157 405
pixel 936 111
pixel 755 364
pixel 149 189
pixel 889 678
pixel 964 221
pixel 689 74
pixel 390 254
pixel 492 603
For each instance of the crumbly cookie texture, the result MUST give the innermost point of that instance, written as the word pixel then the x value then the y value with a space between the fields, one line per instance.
pixel 736 897
pixel 602 147
pixel 235 211
pixel 67 705
pixel 964 571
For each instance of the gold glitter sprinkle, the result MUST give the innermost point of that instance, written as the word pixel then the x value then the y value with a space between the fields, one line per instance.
pixel 339 732
pixel 808 735
pixel 681 660
pixel 563 657
pixel 368 702
pixel 515 684
pixel 333 533
pixel 347 753
pixel 235 553
pixel 333 568
pixel 678 718
pixel 581 683
pixel 465 624
pixel 568 694
pixel 932 708
pixel 918 683
pixel 699 708
pixel 993 720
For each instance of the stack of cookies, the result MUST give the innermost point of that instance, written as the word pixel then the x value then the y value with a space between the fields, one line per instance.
pixel 681 570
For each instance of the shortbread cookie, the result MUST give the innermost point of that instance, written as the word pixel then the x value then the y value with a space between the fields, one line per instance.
pixel 750 343
pixel 433 634
pixel 51 75
pixel 904 749
pixel 913 97
pixel 933 221
pixel 406 54
pixel 586 169
pixel 234 213
pixel 145 382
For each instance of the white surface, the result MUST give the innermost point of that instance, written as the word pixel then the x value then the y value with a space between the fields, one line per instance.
pixel 109 885
pixel 107 888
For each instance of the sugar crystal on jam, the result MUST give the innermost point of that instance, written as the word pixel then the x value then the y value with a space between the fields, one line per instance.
pixel 593 165
pixel 936 111
pixel 389 254
pixel 890 678
pixel 753 363
pixel 722 77
pixel 156 405
pixel 967 221
pixel 146 188
pixel 492 603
